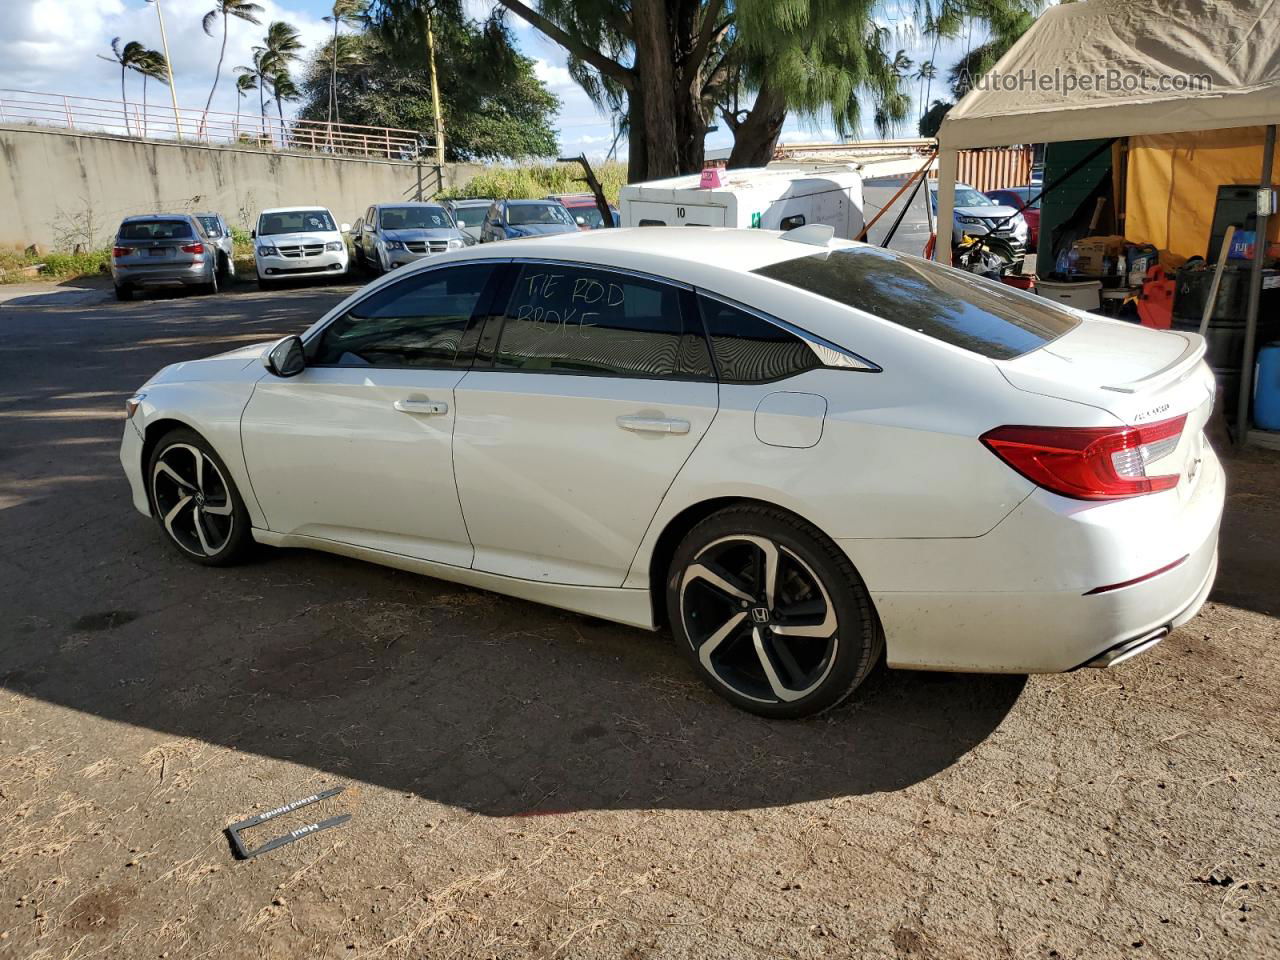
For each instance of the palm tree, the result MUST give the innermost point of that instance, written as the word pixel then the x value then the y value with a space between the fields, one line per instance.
pixel 242 9
pixel 130 57
pixel 349 12
pixel 245 81
pixel 152 67
pixel 901 65
pixel 257 81
pixel 926 71
pixel 279 49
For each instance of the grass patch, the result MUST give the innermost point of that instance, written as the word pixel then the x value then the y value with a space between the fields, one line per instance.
pixel 532 182
pixel 53 265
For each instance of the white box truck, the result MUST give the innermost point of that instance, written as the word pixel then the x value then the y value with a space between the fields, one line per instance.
pixel 760 197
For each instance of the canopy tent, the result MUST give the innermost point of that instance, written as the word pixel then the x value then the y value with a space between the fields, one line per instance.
pixel 1119 68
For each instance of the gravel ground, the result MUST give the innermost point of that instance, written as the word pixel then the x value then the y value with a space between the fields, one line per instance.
pixel 529 783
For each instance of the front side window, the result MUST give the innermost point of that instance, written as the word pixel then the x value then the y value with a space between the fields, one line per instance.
pixel 958 308
pixel 750 349
pixel 156 230
pixel 523 214
pixel 414 218
pixel 595 322
pixel 296 221
pixel 418 322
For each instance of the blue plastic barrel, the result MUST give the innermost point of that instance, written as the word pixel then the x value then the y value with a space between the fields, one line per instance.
pixel 1266 396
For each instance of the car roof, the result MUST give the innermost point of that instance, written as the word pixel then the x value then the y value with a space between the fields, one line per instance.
pixel 715 257
pixel 527 200
pixel 471 201
pixel 410 203
pixel 157 216
pixel 314 206
pixel 207 213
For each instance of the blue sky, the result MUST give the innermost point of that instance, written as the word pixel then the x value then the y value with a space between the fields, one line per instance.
pixel 53 46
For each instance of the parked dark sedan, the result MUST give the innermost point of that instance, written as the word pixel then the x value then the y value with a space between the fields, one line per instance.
pixel 508 219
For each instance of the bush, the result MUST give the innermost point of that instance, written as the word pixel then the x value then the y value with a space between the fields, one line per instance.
pixel 532 182
pixel 55 266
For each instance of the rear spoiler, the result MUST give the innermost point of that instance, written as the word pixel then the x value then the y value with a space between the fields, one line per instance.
pixel 1177 370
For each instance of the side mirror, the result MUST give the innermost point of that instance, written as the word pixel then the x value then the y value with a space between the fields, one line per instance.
pixel 579 220
pixel 345 228
pixel 285 358
pixel 253 234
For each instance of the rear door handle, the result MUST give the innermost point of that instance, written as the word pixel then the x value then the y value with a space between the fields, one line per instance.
pixel 654 424
pixel 429 408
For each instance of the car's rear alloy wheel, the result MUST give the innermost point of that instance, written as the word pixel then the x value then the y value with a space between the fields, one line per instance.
pixel 195 501
pixel 773 616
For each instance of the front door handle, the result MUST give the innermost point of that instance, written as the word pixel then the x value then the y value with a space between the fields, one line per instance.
pixel 654 424
pixel 429 408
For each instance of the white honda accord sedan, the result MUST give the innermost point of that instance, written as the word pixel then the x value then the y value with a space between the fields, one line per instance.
pixel 799 453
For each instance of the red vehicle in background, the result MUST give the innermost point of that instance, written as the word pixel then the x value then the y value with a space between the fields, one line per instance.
pixel 1017 198
pixel 582 207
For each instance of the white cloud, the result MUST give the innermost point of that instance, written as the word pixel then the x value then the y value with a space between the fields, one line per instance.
pixel 53 46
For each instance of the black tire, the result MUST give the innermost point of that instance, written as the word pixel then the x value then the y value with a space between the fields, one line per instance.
pixel 263 284
pixel 197 527
pixel 124 291
pixel 814 581
pixel 212 286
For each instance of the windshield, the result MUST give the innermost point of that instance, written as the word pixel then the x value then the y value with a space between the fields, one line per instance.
pixel 958 308
pixel 965 197
pixel 469 216
pixel 414 218
pixel 155 230
pixel 1021 195
pixel 211 226
pixel 296 221
pixel 526 213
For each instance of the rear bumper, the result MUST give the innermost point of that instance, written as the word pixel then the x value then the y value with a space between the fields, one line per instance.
pixel 1020 600
pixel 192 274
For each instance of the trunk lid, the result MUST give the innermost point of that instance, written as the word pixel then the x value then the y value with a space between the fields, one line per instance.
pixel 1136 374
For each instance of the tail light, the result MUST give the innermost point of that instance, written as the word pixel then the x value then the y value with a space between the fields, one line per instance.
pixel 1089 463
pixel 121 251
pixel 193 248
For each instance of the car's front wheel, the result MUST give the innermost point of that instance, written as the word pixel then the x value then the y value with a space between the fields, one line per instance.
pixel 771 613
pixel 196 502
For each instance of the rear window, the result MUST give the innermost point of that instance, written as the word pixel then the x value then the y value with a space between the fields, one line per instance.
pixel 987 318
pixel 155 230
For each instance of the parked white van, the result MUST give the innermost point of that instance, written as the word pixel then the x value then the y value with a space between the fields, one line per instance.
pixel 758 197
pixel 299 242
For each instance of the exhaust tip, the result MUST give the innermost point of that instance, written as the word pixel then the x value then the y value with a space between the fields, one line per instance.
pixel 1127 649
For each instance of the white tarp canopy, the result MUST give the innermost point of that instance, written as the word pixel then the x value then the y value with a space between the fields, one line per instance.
pixel 1116 68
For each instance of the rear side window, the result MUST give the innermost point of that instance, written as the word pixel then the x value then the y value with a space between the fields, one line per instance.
pixel 750 349
pixel 987 318
pixel 156 230
pixel 596 322
pixel 418 322
pixel 211 226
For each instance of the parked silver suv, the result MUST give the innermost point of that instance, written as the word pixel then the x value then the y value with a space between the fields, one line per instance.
pixel 215 225
pixel 163 250
pixel 393 234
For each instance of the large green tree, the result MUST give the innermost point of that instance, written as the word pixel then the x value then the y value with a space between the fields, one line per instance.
pixel 495 107
pixel 668 66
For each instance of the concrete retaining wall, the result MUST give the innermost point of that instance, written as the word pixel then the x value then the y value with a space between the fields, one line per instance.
pixel 59 188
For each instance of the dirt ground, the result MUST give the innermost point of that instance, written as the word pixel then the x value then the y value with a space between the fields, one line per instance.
pixel 529 783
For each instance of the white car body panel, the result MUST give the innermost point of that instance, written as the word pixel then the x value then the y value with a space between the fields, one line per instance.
pixel 553 487
pixel 970 565
pixel 332 457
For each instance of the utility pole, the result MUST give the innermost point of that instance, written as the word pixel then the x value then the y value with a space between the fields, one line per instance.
pixel 435 93
pixel 173 94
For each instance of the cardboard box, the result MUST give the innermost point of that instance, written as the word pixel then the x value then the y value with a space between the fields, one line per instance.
pixel 1091 254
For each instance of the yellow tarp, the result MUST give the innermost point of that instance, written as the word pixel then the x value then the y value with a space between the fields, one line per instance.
pixel 1173 185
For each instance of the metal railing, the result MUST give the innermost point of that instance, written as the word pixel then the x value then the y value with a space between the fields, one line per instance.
pixel 160 121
